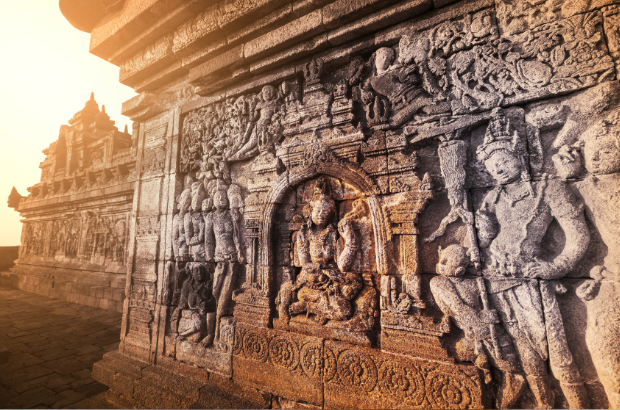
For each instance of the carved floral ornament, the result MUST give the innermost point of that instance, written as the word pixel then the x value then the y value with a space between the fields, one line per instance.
pixel 396 229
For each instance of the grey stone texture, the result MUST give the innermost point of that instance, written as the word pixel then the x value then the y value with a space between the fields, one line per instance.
pixel 350 203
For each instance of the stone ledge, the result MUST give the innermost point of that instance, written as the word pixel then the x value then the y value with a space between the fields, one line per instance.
pixel 139 384
pixel 69 289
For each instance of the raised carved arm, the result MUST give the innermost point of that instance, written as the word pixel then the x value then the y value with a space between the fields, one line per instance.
pixel 302 248
pixel 347 231
pixel 486 222
pixel 571 218
pixel 236 216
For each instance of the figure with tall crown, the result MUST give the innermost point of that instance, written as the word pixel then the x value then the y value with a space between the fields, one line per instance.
pixel 512 221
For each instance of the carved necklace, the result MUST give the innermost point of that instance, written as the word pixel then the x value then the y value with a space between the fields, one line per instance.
pixel 322 236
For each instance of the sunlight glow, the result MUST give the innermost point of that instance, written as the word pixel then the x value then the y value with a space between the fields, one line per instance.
pixel 47 74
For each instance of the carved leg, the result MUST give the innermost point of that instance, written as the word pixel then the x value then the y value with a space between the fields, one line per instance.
pixel 571 383
pixel 320 311
pixel 297 308
pixel 174 321
pixel 224 298
pixel 208 340
pixel 561 359
pixel 218 281
pixel 542 391
pixel 413 287
pixel 576 395
pixel 614 398
pixel 510 389
pixel 339 308
pixel 285 296
pixel 533 365
pixel 407 112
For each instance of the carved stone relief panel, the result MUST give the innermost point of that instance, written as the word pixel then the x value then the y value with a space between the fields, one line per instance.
pixel 154 150
pixel 330 283
pixel 415 224
pixel 96 239
pixel 338 374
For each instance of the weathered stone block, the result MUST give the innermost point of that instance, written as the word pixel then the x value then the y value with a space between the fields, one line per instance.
pixel 300 29
pixel 357 204
pixel 261 355
pixel 224 61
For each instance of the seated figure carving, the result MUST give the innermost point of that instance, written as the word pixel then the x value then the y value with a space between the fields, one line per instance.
pixel 408 84
pixel 197 298
pixel 325 286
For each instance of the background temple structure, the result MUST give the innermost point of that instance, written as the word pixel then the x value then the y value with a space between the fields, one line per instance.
pixel 76 220
pixel 344 204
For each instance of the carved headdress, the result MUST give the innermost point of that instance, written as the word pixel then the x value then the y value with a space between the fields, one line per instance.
pixel 322 192
pixel 501 135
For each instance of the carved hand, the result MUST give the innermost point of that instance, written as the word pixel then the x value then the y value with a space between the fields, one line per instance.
pixel 588 290
pixel 567 161
pixel 543 270
pixel 240 256
pixel 312 267
pixel 345 227
pixel 488 317
pixel 486 225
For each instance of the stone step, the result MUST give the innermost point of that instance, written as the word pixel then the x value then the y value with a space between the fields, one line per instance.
pixel 162 389
pixel 98 401
pixel 119 373
pixel 171 385
pixel 124 364
pixel 99 278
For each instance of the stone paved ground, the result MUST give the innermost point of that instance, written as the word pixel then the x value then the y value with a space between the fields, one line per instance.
pixel 53 345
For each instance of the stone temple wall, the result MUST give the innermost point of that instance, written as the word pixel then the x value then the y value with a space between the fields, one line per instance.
pixel 76 219
pixel 350 204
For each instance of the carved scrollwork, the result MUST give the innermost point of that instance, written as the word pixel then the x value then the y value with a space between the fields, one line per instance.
pixel 446 390
pixel 283 352
pixel 311 359
pixel 238 342
pixel 255 346
pixel 330 363
pixel 402 382
pixel 357 370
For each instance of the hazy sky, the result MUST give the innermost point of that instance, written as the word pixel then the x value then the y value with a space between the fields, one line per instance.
pixel 46 75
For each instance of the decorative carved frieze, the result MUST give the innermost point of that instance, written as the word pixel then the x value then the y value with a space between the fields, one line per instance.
pixel 420 216
pixel 151 57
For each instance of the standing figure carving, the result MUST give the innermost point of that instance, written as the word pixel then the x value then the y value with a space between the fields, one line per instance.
pixel 179 244
pixel 600 190
pixel 179 237
pixel 194 225
pixel 512 221
pixel 325 286
pixel 265 124
pixel 224 247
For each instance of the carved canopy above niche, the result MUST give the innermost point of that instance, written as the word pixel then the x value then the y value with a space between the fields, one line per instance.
pixel 326 186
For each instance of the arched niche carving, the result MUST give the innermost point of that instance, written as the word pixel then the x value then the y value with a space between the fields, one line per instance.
pixel 290 179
